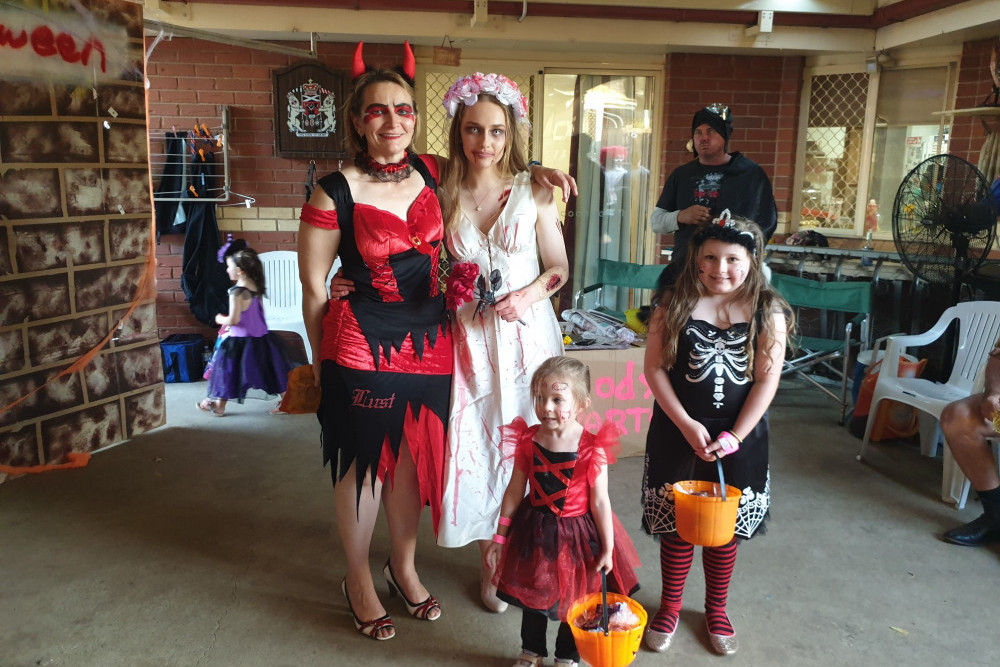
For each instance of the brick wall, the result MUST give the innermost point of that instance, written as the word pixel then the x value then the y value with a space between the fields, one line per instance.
pixel 763 94
pixel 75 236
pixel 974 85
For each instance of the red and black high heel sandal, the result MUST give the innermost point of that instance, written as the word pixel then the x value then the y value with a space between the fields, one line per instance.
pixel 428 610
pixel 371 629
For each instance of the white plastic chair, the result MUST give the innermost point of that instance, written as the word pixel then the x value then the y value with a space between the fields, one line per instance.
pixel 978 330
pixel 283 303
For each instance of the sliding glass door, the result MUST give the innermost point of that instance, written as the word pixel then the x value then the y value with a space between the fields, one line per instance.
pixel 599 127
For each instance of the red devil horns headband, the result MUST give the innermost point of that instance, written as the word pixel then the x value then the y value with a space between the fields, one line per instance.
pixel 358 66
pixel 408 69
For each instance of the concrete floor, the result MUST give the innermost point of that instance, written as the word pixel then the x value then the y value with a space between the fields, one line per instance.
pixel 211 542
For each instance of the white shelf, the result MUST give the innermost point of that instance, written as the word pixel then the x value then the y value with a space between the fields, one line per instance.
pixel 973 111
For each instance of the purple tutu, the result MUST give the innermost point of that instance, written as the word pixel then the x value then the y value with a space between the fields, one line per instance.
pixel 241 363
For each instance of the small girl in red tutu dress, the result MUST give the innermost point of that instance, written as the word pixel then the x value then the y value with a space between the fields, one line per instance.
pixel 552 544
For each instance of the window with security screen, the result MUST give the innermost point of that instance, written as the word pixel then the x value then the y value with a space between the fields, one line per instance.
pixel 909 128
pixel 835 135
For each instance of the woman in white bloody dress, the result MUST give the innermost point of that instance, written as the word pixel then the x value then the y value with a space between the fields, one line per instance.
pixel 498 219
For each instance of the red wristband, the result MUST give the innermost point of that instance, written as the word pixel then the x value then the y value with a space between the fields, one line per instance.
pixel 504 520
pixel 500 539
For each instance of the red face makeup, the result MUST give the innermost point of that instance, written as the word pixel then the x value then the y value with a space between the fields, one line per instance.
pixel 556 406
pixel 375 111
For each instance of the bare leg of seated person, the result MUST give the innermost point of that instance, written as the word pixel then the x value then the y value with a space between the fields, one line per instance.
pixel 966 430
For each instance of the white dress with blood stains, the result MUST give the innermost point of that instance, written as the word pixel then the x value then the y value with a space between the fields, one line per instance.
pixel 494 361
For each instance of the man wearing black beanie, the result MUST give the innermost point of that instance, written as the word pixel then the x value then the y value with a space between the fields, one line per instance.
pixel 697 192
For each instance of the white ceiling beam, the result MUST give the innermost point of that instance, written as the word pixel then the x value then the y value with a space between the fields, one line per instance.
pixel 480 12
pixel 971 15
pixel 849 7
pixel 500 32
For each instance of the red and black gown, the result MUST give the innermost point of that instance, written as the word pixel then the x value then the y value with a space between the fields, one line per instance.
pixel 386 348
pixel 552 546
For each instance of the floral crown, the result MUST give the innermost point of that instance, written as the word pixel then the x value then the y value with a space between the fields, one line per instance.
pixel 468 88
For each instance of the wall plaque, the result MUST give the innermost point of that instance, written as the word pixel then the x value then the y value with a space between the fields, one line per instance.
pixel 308 115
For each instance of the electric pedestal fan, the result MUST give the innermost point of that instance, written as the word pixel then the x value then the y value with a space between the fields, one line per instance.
pixel 944 221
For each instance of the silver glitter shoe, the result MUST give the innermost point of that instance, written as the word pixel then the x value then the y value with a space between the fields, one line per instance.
pixel 658 641
pixel 722 644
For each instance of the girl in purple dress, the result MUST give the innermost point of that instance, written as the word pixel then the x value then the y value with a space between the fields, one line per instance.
pixel 247 355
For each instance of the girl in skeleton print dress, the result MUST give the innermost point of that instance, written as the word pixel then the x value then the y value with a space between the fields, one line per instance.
pixel 713 360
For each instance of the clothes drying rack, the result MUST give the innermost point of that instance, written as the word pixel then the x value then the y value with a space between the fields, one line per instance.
pixel 204 140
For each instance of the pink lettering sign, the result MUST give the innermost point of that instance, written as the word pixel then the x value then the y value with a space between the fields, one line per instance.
pixel 622 389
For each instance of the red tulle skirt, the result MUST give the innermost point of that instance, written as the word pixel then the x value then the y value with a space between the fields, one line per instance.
pixel 549 562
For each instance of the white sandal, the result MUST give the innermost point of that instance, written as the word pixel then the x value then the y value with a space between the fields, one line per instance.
pixel 528 659
pixel 567 661
pixel 488 592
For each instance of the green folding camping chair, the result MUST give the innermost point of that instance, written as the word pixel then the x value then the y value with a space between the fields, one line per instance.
pixel 833 339
pixel 611 273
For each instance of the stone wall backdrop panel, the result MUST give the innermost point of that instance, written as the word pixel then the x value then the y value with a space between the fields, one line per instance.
pixel 102 378
pixel 80 362
pixel 25 98
pixel 47 297
pixel 140 325
pixel 54 246
pixel 129 239
pixel 82 431
pixel 20 446
pixel 5 264
pixel 29 193
pixel 65 339
pixel 12 351
pixel 111 286
pixel 144 411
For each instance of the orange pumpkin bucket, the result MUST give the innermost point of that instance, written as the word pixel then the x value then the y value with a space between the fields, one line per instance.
pixel 706 511
pixel 604 647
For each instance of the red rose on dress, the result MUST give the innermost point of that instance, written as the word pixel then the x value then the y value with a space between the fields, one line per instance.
pixel 460 285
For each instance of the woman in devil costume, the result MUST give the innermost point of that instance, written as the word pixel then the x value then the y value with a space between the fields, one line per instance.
pixel 385 351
